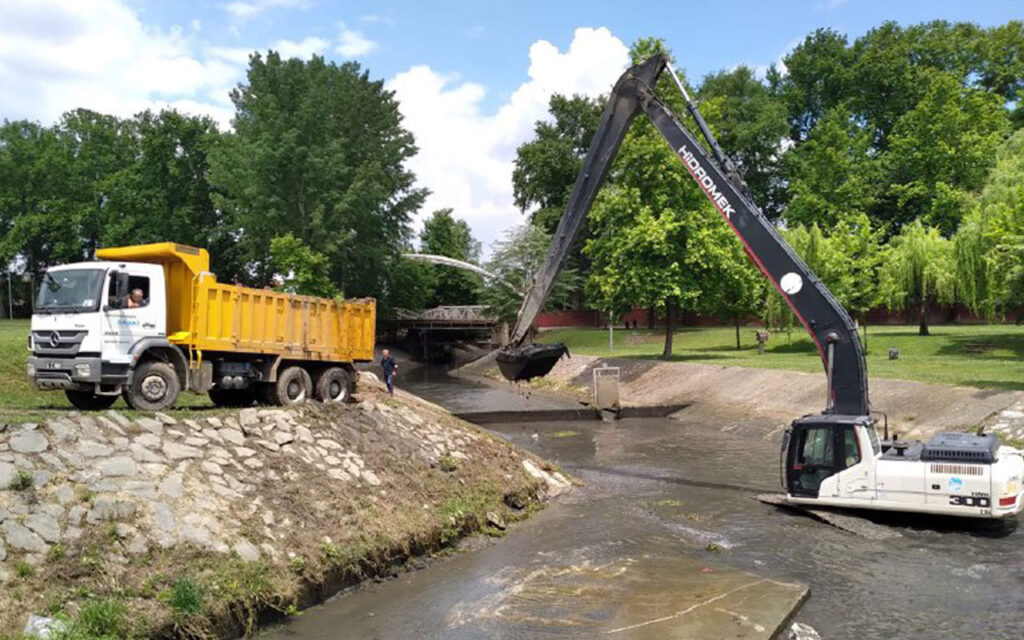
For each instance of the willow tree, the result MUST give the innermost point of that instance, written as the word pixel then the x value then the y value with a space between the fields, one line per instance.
pixel 919 270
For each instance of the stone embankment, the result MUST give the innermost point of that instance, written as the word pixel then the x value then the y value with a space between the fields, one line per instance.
pixel 202 525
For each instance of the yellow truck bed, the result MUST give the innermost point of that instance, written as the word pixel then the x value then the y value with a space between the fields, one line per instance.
pixel 208 315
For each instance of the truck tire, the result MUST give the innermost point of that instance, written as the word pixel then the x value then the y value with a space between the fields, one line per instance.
pixel 233 397
pixel 154 387
pixel 86 401
pixel 293 386
pixel 334 385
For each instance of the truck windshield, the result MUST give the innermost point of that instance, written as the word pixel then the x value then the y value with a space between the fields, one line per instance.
pixel 70 290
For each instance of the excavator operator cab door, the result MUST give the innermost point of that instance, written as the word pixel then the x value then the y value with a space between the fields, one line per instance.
pixel 820 447
pixel 811 457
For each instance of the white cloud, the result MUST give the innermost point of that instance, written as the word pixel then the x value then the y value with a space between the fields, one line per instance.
pixel 466 156
pixel 352 43
pixel 56 55
pixel 244 10
pixel 303 49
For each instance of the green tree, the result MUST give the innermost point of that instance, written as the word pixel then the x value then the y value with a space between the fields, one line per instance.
pixel 546 167
pixel 990 243
pixel 817 79
pixel 919 270
pixel 36 229
pixel 301 269
pixel 163 193
pixel 750 123
pixel 833 174
pixel 941 150
pixel 318 150
pixel 443 235
pixel 515 259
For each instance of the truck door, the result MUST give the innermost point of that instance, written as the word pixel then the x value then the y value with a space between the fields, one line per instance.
pixel 811 458
pixel 136 319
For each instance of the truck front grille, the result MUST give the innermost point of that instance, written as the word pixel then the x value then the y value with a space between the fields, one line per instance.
pixel 57 343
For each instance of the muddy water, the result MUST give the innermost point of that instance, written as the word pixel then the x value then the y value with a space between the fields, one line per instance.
pixel 661 495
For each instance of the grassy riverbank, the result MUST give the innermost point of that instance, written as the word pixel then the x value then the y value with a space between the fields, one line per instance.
pixel 985 356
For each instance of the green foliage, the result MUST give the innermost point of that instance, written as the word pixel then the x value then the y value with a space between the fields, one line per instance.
pixel 990 243
pixel 546 167
pixel 298 564
pixel 184 597
pixel 302 269
pixel 941 150
pixel 833 173
pixel 514 260
pixel 56 552
pixel 22 480
pixel 318 151
pixel 444 235
pixel 749 121
pixel 101 619
pixel 23 569
pixel 448 464
pixel 919 270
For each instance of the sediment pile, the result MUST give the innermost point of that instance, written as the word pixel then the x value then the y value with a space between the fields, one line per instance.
pixel 247 511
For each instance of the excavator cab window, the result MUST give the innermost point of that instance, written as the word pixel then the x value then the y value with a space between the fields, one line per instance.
pixel 812 458
pixel 851 448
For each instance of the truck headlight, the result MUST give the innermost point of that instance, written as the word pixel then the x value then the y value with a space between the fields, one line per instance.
pixel 31 370
pixel 83 369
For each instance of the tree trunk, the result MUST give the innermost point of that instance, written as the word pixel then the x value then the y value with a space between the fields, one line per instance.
pixel 650 318
pixel 737 319
pixel 922 329
pixel 669 330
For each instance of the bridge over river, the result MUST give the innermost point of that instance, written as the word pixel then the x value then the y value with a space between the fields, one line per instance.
pixel 432 333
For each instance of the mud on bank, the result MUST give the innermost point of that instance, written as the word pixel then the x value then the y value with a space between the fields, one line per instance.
pixel 207 528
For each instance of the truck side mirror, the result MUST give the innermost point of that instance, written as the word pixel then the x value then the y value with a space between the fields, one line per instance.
pixel 120 280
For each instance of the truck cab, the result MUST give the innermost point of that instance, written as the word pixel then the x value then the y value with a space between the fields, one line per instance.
pixel 87 327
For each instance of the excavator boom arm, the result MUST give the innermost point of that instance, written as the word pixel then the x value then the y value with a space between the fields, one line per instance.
pixel 821 314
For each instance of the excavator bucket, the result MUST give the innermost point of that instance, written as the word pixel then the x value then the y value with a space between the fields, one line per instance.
pixel 530 360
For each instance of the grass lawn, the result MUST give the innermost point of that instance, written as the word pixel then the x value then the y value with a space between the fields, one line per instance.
pixel 21 402
pixel 987 356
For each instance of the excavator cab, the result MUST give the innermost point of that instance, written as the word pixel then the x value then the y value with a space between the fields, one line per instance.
pixel 819 446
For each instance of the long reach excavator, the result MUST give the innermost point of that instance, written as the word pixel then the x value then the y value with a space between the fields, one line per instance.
pixel 834 458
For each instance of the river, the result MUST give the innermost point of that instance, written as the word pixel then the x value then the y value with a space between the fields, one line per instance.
pixel 668 493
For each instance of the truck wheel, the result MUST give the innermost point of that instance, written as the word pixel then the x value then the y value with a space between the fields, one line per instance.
pixel 334 385
pixel 85 401
pixel 154 387
pixel 233 397
pixel 293 386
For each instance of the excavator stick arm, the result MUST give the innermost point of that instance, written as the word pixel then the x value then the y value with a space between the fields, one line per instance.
pixel 820 313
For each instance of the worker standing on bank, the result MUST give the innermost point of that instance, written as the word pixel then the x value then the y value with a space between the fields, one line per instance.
pixel 390 368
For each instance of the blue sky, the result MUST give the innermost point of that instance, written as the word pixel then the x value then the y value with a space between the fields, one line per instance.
pixel 486 41
pixel 471 77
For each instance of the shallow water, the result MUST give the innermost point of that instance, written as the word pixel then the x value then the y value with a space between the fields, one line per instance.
pixel 658 494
